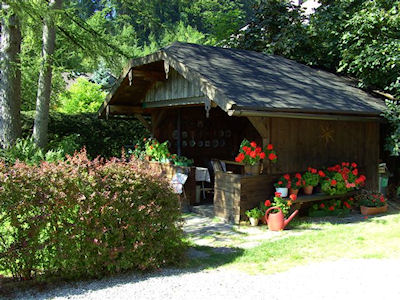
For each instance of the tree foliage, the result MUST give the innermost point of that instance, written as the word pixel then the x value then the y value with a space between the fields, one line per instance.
pixel 82 97
pixel 360 38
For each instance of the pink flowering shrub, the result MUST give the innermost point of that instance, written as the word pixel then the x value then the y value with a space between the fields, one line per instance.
pixel 82 218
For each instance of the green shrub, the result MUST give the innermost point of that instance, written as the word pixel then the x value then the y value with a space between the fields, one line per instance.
pixel 100 137
pixel 25 150
pixel 81 218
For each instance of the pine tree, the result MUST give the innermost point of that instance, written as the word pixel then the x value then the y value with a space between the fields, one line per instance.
pixel 10 77
pixel 40 128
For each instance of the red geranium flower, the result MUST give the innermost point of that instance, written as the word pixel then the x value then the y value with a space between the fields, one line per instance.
pixel 322 205
pixel 321 174
pixel 277 194
pixel 286 176
pixel 333 182
pixel 270 147
pixel 354 165
pixel 382 199
pixel 280 182
pixel 267 203
pixel 298 175
pixel 262 155
pixel 331 208
pixel 293 197
pixel 346 204
pixel 253 154
pixel 258 150
pixel 355 172
pixel 240 157
pixel 272 156
pixel 253 144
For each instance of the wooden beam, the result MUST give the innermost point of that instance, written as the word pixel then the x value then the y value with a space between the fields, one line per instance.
pixel 149 75
pixel 174 102
pixel 124 109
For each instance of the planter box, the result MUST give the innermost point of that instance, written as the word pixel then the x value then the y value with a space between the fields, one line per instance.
pixel 366 211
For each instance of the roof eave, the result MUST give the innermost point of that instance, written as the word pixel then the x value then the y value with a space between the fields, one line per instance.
pixel 316 115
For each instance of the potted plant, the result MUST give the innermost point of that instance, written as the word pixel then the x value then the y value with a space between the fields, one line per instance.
pixel 250 154
pixel 371 203
pixel 310 179
pixel 332 207
pixel 275 215
pixel 341 179
pixel 181 161
pixel 254 215
pixel 157 151
pixel 296 183
pixel 282 185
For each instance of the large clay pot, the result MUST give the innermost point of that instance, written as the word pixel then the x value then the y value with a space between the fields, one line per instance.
pixel 282 191
pixel 366 211
pixel 252 169
pixel 293 192
pixel 308 190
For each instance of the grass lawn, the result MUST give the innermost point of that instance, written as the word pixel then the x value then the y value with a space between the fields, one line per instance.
pixel 377 237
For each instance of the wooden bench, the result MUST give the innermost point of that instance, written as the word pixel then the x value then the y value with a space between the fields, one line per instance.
pixel 319 197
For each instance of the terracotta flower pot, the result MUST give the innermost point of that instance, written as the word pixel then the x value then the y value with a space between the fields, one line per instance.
pixel 252 169
pixel 292 191
pixel 308 189
pixel 366 211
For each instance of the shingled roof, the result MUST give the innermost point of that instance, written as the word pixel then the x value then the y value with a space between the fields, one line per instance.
pixel 247 81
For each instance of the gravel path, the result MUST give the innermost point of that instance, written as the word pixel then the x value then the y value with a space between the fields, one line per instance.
pixel 343 279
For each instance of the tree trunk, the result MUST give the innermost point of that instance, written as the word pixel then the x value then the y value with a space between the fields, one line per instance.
pixel 10 78
pixel 40 128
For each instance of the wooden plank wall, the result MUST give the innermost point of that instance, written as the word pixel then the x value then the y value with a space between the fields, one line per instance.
pixel 255 189
pixel 176 87
pixel 301 143
pixel 227 192
pixel 234 194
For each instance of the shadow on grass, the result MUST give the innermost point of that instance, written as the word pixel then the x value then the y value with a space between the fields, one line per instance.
pixel 204 257
pixel 197 259
pixel 311 223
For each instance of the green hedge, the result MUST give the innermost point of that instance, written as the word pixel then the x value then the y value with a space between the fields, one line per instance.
pixel 100 137
pixel 81 218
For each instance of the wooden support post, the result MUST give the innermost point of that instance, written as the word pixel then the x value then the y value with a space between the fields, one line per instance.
pixel 179 128
pixel 143 121
pixel 156 118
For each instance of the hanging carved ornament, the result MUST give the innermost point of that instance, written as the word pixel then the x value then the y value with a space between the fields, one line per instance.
pixel 327 134
pixel 130 77
pixel 207 106
pixel 166 69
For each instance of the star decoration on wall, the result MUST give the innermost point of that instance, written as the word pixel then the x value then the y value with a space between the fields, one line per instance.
pixel 327 134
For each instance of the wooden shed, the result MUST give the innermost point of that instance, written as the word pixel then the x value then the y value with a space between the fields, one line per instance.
pixel 207 99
